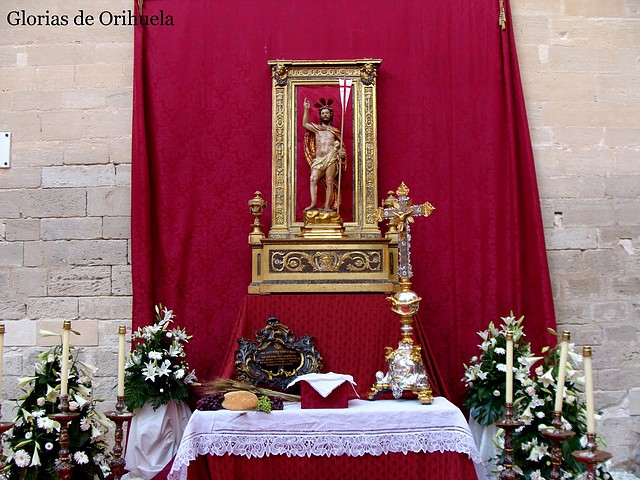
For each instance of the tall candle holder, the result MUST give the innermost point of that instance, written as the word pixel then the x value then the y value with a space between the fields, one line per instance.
pixel 557 435
pixel 591 456
pixel 64 468
pixel 119 417
pixel 508 424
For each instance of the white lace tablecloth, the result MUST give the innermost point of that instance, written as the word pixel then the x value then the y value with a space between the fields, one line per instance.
pixel 366 427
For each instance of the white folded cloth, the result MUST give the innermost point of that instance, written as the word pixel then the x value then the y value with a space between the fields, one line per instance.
pixel 325 383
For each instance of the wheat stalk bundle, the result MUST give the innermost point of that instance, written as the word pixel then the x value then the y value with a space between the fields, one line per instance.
pixel 224 385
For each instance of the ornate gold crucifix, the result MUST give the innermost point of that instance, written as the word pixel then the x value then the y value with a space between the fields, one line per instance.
pixel 400 214
pixel 405 369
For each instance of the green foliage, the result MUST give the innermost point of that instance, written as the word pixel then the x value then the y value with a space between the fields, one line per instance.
pixel 31 447
pixel 156 371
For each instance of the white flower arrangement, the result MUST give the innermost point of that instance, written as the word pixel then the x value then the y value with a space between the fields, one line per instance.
pixel 156 371
pixel 534 400
pixel 31 447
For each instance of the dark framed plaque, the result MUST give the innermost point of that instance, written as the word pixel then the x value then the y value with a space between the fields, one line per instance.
pixel 277 357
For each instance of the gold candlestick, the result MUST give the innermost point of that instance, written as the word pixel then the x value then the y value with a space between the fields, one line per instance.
pixel 591 456
pixel 557 435
pixel 119 417
pixel 508 424
pixel 64 467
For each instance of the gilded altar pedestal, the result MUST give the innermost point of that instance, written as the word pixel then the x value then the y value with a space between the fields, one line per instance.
pixel 310 265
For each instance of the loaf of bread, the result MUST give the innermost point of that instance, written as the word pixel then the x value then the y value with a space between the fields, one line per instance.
pixel 240 400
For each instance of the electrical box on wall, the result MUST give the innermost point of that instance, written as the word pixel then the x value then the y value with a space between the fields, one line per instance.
pixel 5 149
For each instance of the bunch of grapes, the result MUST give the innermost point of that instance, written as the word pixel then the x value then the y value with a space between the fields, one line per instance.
pixel 212 401
pixel 277 403
pixel 264 404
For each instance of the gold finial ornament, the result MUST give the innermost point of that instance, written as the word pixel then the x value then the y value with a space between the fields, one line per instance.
pixel 256 206
pixel 402 190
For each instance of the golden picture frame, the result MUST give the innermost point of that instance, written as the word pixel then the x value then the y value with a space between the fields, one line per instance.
pixel 336 248
pixel 293 81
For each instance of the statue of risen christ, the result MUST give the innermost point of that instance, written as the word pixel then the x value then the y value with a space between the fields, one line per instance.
pixel 323 152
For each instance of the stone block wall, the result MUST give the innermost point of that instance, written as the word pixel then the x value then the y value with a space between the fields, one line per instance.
pixel 580 67
pixel 65 96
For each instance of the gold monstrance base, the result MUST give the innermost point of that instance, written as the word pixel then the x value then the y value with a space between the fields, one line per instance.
pixel 322 224
pixel 405 369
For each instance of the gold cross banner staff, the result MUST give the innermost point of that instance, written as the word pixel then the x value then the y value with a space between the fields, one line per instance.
pixel 401 215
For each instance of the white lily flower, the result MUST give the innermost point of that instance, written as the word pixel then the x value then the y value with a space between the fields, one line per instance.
pixel 155 355
pixel 574 357
pixel 25 380
pixel 547 378
pixel 527 416
pixel 35 459
pixel 90 369
pixel 150 371
pixel 175 350
pixel 190 378
pixel 484 335
pixel 80 400
pixel 165 369
pixel 168 314
pixel 95 434
pixel 48 333
pixel 51 394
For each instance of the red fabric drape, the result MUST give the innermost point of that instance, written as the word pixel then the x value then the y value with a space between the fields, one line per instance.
pixel 451 124
pixel 352 340
pixel 280 467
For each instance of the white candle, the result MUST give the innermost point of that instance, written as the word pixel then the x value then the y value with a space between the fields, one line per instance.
pixel 562 371
pixel 122 330
pixel 1 355
pixel 588 390
pixel 64 368
pixel 509 396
